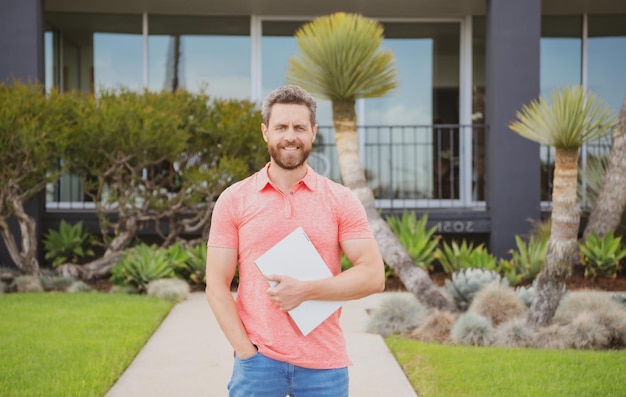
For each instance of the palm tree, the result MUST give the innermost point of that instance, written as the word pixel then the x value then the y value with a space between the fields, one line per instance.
pixel 610 203
pixel 341 60
pixel 569 119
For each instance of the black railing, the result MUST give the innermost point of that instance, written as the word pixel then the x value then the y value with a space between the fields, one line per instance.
pixel 415 166
pixel 425 166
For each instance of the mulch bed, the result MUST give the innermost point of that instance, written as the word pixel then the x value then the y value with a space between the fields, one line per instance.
pixel 576 281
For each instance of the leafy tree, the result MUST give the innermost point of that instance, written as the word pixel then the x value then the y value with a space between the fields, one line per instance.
pixel 341 60
pixel 571 117
pixel 34 130
pixel 160 159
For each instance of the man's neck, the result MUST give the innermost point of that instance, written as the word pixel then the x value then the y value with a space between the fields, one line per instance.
pixel 283 179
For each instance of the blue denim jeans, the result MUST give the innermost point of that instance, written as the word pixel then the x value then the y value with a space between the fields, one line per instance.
pixel 260 376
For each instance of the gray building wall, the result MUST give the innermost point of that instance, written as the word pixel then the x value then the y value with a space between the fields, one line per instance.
pixel 513 166
pixel 22 58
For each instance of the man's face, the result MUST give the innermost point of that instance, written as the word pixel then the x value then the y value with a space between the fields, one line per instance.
pixel 289 135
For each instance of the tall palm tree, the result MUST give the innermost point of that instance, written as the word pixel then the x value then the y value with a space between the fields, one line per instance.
pixel 341 60
pixel 570 118
pixel 610 203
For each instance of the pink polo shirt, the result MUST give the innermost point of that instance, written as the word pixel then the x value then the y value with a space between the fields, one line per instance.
pixel 253 215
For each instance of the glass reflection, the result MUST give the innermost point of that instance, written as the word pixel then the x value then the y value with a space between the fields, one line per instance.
pixel 196 53
pixel 560 65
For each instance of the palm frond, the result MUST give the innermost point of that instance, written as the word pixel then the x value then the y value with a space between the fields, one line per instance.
pixel 570 117
pixel 341 58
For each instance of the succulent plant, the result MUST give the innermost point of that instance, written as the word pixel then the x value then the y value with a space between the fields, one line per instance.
pixel 465 283
pixel 526 294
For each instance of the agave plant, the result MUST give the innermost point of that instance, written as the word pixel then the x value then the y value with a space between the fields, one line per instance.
pixel 70 244
pixel 454 257
pixel 193 268
pixel 141 265
pixel 601 256
pixel 467 282
pixel 526 262
pixel 420 241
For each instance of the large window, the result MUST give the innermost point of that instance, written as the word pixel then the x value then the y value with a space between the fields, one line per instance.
pixel 96 51
pixel 560 66
pixel 211 53
pixel 422 162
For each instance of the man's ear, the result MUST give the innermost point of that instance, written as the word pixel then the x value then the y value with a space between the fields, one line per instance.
pixel 264 131
pixel 314 132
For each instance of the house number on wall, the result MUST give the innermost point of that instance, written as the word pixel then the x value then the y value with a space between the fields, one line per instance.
pixel 455 226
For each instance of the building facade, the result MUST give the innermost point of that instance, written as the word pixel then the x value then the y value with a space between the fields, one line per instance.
pixel 438 144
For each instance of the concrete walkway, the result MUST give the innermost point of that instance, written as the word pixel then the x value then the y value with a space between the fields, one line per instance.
pixel 189 356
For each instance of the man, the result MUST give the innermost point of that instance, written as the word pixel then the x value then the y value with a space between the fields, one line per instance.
pixel 272 357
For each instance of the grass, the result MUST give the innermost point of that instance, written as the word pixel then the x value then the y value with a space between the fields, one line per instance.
pixel 72 344
pixel 464 371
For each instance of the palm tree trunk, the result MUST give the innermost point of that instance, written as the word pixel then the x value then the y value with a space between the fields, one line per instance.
pixel 415 279
pixel 562 247
pixel 607 212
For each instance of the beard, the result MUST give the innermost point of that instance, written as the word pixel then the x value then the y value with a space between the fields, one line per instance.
pixel 289 160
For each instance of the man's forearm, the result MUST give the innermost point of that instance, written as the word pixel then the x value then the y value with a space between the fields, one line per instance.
pixel 225 310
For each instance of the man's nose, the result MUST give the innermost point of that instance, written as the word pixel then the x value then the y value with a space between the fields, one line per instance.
pixel 290 134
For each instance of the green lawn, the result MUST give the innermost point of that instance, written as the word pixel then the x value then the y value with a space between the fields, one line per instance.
pixel 464 371
pixel 72 344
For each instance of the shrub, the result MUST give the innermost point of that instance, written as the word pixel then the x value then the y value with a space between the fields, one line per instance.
pixel 3 287
pixel 140 265
pixel 514 333
pixel 435 327
pixel 27 283
pixel 472 329
pixel 397 313
pixel 602 256
pixel 172 289
pixel 498 303
pixel 69 244
pixel 419 241
pixel 467 282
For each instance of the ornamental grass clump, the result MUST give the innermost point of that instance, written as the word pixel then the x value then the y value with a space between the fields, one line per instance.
pixel 27 283
pixel 172 289
pixel 435 327
pixel 551 337
pixel 585 332
pixel 595 306
pixel 78 286
pixel 498 303
pixel 56 283
pixel 472 329
pixel 398 313
pixel 514 333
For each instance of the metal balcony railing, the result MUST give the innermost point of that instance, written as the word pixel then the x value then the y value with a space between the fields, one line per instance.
pixel 419 166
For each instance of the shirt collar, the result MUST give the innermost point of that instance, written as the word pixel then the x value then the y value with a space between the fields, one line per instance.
pixel 309 180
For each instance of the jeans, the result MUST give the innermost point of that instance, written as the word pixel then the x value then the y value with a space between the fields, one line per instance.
pixel 260 376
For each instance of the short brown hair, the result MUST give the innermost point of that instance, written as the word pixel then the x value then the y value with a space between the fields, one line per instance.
pixel 288 94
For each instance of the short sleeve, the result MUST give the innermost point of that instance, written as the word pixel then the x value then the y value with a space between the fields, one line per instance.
pixel 224 231
pixel 353 219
